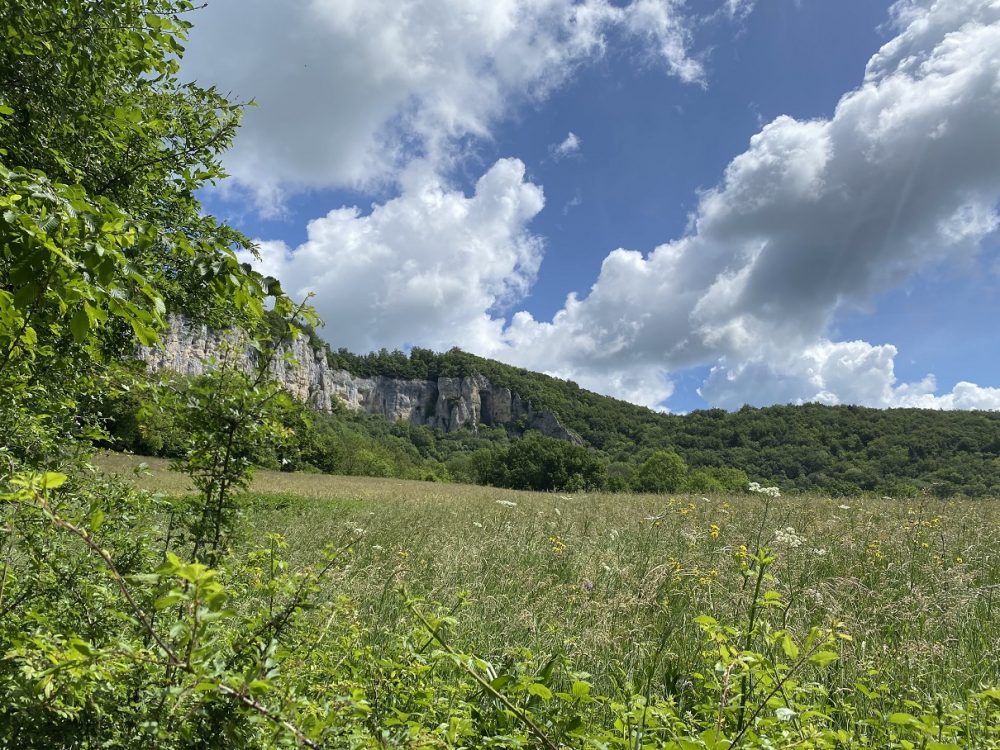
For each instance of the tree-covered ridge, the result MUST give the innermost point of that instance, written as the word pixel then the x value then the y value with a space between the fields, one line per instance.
pixel 836 449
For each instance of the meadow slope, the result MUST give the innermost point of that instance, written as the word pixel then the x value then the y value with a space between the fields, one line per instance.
pixel 608 579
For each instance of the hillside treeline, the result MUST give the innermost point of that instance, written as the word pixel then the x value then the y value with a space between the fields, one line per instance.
pixel 841 450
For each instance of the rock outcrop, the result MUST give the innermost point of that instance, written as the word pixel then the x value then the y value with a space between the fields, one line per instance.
pixel 447 404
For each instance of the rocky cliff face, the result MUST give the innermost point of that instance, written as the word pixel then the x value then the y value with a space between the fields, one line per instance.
pixel 448 404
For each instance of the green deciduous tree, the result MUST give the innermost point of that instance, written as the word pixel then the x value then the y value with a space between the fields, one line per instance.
pixel 664 471
pixel 536 462
pixel 102 150
pixel 107 637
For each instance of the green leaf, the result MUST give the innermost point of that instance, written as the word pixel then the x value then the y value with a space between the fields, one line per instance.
pixel 146 335
pixel 79 325
pixel 53 479
pixel 169 600
pixel 992 694
pixel 81 647
pixel 502 681
pixel 789 647
pixel 823 658
pixel 259 687
pixel 573 724
pixel 143 578
pixel 537 688
pixel 715 740
pixel 581 689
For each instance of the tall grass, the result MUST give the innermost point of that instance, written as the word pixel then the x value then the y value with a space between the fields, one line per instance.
pixel 613 580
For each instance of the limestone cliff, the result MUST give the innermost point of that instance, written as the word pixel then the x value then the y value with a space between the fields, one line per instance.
pixel 446 403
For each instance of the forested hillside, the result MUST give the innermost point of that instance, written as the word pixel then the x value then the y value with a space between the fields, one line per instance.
pixel 836 449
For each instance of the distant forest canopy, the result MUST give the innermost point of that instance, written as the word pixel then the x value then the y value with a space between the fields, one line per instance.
pixel 840 450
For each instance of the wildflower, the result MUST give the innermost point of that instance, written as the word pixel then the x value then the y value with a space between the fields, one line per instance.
pixel 742 553
pixel 714 530
pixel 708 576
pixel 507 503
pixel 844 507
pixel 378 547
pixel 587 585
pixel 771 491
pixel 477 524
pixel 788 537
pixel 558 545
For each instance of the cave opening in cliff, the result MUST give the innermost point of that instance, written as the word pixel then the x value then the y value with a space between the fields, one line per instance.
pixel 485 407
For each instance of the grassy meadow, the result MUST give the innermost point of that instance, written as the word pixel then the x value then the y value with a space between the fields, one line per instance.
pixel 616 581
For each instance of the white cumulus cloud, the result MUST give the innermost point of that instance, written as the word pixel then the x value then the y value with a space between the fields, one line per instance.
pixel 826 372
pixel 350 91
pixel 963 396
pixel 430 267
pixel 814 216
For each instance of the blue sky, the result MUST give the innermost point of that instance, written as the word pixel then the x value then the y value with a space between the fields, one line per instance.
pixel 741 212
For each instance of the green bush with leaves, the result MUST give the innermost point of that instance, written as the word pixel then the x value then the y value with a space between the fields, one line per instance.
pixel 663 471
pixel 536 462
